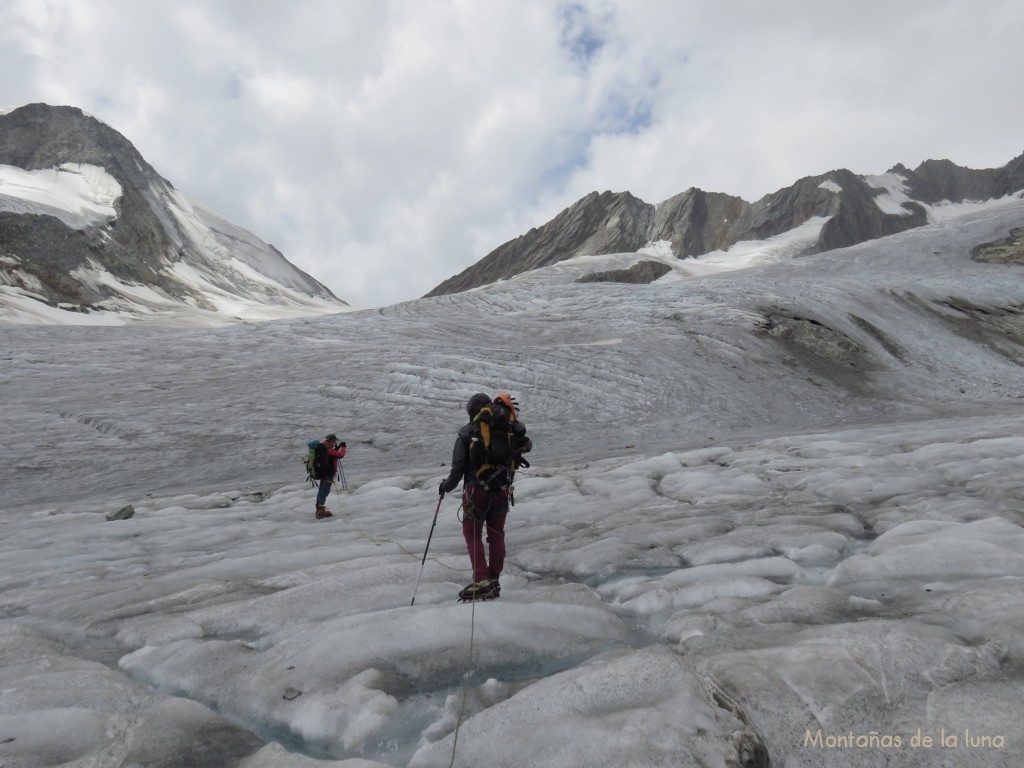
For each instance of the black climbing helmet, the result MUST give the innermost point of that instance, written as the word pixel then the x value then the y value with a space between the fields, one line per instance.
pixel 476 402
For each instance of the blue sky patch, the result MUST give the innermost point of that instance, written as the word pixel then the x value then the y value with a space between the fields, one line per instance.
pixel 579 34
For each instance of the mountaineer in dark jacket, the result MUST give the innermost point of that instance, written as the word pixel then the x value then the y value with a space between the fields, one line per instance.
pixel 483 507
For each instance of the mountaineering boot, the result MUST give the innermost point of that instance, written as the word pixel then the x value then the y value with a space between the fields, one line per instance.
pixel 322 512
pixel 488 589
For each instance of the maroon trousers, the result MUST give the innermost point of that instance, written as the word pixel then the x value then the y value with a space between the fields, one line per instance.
pixel 484 511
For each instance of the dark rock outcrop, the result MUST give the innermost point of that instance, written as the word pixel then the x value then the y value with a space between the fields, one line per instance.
pixel 641 273
pixel 1009 249
pixel 124 513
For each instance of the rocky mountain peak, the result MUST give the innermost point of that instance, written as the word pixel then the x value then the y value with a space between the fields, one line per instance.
pixel 143 233
pixel 850 208
pixel 39 136
pixel 604 222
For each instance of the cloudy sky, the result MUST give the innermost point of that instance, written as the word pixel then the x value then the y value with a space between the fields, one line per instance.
pixel 385 146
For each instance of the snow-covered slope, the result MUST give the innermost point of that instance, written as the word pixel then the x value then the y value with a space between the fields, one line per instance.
pixel 79 195
pixel 232 276
pixel 773 514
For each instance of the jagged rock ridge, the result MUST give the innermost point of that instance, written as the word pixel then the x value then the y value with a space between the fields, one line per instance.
pixel 155 238
pixel 852 209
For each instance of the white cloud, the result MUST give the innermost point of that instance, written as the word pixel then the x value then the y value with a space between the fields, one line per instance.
pixel 356 136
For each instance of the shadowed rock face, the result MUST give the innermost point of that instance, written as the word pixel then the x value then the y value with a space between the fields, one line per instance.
pixel 936 180
pixel 698 222
pixel 137 247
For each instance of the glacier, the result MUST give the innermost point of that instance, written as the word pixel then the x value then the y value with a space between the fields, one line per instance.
pixel 774 514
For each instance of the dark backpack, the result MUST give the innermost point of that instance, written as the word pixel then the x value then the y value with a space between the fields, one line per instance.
pixel 496 443
pixel 318 463
pixel 322 468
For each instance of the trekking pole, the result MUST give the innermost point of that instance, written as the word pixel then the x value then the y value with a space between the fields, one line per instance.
pixel 337 493
pixel 341 471
pixel 424 562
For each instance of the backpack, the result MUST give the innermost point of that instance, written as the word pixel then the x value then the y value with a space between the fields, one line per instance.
pixel 323 467
pixel 496 443
pixel 318 463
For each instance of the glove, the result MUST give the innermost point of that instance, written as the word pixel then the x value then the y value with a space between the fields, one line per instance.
pixel 344 444
pixel 440 489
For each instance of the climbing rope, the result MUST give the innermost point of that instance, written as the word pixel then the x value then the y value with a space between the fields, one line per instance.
pixel 472 615
pixel 465 679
